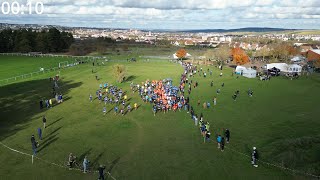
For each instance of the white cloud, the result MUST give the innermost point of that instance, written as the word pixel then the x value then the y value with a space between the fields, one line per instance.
pixel 189 13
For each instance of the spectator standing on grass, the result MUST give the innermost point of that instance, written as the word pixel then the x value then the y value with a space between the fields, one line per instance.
pixel 234 97
pixel 101 172
pixel 201 117
pixel 71 160
pixel 34 145
pixel 207 126
pixel 196 120
pixel 222 144
pixel 60 98
pixel 44 120
pixel 154 109
pixel 135 106
pixel 105 100
pixel 104 110
pixel 122 111
pixel 40 133
pixel 214 101
pixel 227 134
pixel 208 134
pixel 219 141
pixel 50 102
pixel 47 103
pixel 204 105
pixel 90 98
pixel 115 109
pixel 85 164
pixel 254 157
pixel 41 103
pixel 211 84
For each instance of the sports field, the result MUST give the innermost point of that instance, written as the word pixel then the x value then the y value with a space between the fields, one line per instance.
pixel 281 120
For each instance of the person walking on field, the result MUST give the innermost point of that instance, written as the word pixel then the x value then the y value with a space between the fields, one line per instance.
pixel 115 109
pixel 219 141
pixel 40 133
pixel 44 120
pixel 222 144
pixel 254 157
pixel 34 145
pixel 227 134
pixel 101 172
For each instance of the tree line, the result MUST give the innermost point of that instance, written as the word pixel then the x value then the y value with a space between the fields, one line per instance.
pixel 29 40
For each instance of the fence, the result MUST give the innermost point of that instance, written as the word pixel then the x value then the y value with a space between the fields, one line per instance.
pixel 27 75
pixel 46 55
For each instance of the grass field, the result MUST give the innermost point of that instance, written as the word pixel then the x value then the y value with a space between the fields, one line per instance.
pixel 14 66
pixel 281 120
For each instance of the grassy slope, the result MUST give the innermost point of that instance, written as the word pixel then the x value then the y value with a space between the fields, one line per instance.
pixel 17 65
pixel 280 120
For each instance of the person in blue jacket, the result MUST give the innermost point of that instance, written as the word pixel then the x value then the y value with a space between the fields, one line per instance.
pixel 219 139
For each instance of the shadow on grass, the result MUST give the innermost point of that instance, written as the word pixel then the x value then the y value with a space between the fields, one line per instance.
pixel 130 78
pixel 51 133
pixel 19 103
pixel 47 142
pixel 49 139
pixel 113 164
pixel 54 122
pixel 95 163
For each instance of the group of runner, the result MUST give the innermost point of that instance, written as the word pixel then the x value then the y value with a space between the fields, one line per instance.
pixel 48 103
pixel 109 94
pixel 164 96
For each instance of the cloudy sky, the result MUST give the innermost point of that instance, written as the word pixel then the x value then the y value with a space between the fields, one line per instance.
pixel 174 14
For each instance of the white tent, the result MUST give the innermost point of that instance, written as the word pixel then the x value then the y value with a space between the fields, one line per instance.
pixel 240 69
pixel 282 66
pixel 246 72
pixel 294 68
pixel 287 68
pixel 250 73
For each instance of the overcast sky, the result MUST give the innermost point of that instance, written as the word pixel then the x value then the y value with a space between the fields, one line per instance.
pixel 174 14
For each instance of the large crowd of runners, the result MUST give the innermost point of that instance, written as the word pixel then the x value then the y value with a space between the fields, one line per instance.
pixel 109 94
pixel 163 96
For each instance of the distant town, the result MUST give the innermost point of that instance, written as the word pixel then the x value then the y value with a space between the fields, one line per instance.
pixel 208 38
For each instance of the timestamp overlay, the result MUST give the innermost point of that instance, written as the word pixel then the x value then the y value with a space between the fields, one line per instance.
pixel 10 7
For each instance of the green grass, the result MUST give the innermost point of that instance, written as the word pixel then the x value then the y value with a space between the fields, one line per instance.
pixel 12 66
pixel 281 120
